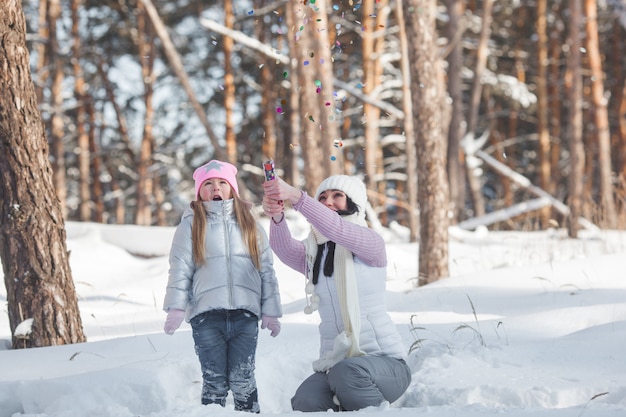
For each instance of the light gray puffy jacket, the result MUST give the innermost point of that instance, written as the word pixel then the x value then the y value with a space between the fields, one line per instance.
pixel 228 279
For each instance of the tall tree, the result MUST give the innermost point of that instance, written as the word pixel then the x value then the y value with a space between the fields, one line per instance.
pixel 575 118
pixel 431 121
pixel 328 129
pixel 456 160
pixel 482 53
pixel 601 116
pixel 57 128
pixel 33 251
pixel 145 182
pixel 310 114
pixel 295 121
pixel 542 103
pixel 555 93
pixel 80 89
pixel 409 128
pixel 374 18
pixel 229 85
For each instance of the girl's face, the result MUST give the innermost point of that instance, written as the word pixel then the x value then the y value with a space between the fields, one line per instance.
pixel 334 199
pixel 215 189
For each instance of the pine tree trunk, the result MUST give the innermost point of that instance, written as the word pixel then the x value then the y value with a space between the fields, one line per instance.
pixel 555 92
pixel 575 133
pixel 545 181
pixel 328 129
pixel 601 117
pixel 619 113
pixel 34 257
pixel 81 118
pixel 295 121
pixel 57 127
pixel 482 54
pixel 95 164
pixel 456 160
pixel 372 71
pixel 311 140
pixel 409 128
pixel 431 121
pixel 229 85
pixel 146 50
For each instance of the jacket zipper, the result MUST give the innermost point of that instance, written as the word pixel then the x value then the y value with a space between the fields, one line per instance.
pixel 227 251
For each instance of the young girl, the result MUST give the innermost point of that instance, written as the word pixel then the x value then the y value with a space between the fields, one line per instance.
pixel 222 280
pixel 362 357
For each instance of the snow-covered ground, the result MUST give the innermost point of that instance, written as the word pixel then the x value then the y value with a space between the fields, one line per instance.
pixel 529 324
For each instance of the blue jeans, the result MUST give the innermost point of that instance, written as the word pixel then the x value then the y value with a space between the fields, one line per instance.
pixel 225 342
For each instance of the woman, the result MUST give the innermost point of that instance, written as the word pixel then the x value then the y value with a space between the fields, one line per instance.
pixel 362 358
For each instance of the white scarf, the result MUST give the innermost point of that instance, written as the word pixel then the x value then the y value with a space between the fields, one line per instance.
pixel 345 281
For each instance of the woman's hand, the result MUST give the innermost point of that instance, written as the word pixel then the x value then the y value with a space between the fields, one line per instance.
pixel 279 190
pixel 273 208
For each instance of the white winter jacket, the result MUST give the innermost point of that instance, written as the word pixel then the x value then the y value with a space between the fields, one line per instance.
pixel 228 280
pixel 378 336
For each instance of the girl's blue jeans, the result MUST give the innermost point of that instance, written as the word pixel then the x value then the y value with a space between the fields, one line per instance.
pixel 225 342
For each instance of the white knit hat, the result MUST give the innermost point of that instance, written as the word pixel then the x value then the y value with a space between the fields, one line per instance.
pixel 352 186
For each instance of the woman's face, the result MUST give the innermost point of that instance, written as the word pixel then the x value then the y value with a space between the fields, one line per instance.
pixel 334 199
pixel 215 189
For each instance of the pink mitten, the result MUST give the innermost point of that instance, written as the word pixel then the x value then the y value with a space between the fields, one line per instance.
pixel 174 318
pixel 272 324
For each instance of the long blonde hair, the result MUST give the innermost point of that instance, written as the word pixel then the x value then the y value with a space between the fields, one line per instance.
pixel 247 225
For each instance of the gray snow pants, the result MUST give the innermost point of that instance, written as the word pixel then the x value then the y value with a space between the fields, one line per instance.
pixel 357 382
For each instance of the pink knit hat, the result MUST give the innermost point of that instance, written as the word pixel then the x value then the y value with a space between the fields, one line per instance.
pixel 216 169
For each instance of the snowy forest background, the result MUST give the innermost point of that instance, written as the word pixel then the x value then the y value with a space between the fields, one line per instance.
pixel 132 104
pixel 508 115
